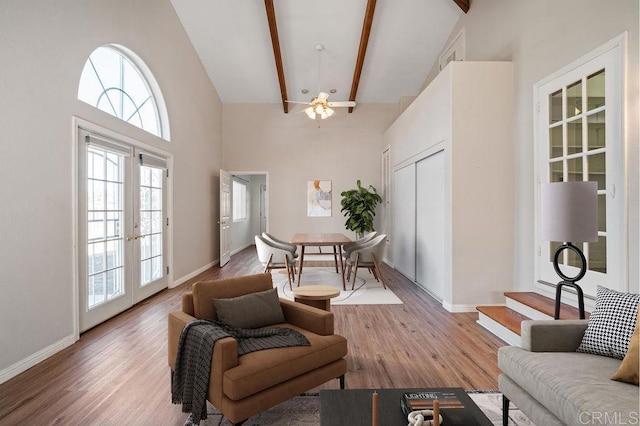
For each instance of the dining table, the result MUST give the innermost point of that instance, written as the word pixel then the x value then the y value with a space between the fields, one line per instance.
pixel 322 239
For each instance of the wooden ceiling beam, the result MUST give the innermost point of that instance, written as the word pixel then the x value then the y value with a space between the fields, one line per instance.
pixel 362 50
pixel 277 55
pixel 463 4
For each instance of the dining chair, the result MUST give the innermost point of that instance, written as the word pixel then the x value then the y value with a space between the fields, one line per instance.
pixel 367 255
pixel 276 257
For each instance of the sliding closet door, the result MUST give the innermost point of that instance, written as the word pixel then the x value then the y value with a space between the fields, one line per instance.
pixel 430 224
pixel 404 220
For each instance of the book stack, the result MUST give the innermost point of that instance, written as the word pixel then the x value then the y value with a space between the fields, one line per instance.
pixel 413 401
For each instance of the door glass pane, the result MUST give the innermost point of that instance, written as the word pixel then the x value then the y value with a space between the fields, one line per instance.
pixel 555 142
pixel 596 129
pixel 595 90
pixel 597 168
pixel 555 107
pixel 151 224
pixel 572 257
pixel 574 169
pixel 556 172
pixel 105 204
pixel 574 99
pixel 553 246
pixel 602 212
pixel 598 255
pixel 574 137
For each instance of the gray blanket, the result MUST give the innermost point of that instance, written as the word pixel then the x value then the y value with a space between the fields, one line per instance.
pixel 195 349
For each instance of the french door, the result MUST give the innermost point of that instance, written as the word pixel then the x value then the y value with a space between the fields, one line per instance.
pixel 122 227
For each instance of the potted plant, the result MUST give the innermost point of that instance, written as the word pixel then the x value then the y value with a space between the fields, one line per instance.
pixel 359 206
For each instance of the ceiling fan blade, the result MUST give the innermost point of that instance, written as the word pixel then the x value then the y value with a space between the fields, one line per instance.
pixel 323 96
pixel 342 104
pixel 297 102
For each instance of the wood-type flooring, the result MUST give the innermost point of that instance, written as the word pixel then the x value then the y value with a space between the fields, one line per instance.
pixel 117 372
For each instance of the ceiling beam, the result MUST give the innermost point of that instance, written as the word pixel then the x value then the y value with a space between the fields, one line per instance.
pixel 277 55
pixel 362 50
pixel 463 4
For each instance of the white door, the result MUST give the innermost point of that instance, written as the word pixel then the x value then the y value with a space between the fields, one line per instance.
pixel 225 217
pixel 122 237
pixel 404 220
pixel 263 208
pixel 430 224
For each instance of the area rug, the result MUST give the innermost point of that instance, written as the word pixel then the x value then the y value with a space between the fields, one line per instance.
pixel 304 410
pixel 367 290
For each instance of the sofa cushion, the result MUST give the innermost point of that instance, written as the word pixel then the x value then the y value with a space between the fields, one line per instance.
pixel 574 386
pixel 628 371
pixel 261 370
pixel 253 310
pixel 611 324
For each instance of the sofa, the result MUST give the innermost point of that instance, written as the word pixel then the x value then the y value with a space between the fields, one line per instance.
pixel 555 385
pixel 242 386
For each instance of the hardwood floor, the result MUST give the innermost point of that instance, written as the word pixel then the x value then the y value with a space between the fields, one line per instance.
pixel 117 372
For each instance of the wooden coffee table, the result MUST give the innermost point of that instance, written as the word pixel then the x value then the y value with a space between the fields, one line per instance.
pixel 318 296
pixel 353 407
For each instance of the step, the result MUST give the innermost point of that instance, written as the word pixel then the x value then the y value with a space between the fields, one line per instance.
pixel 505 316
pixel 541 307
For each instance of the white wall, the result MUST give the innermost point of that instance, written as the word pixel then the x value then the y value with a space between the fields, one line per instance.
pixel 43 46
pixel 540 37
pixel 293 150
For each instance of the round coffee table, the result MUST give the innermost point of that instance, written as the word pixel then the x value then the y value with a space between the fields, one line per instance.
pixel 318 296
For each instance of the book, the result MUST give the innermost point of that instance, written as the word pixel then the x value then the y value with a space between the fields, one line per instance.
pixel 413 401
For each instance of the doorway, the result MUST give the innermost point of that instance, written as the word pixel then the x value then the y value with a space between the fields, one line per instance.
pixel 249 207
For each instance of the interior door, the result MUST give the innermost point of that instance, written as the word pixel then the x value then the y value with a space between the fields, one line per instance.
pixel 430 224
pixel 263 207
pixel 225 217
pixel 404 220
pixel 122 228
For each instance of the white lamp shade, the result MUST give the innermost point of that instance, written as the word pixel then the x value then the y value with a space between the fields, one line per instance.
pixel 570 211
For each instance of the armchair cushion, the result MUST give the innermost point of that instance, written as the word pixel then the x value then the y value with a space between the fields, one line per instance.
pixel 611 324
pixel 253 310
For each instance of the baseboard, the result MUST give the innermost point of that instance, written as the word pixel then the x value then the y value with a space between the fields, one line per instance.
pixel 187 277
pixel 25 364
pixel 456 309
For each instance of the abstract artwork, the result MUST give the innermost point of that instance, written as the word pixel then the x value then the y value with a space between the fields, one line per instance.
pixel 319 198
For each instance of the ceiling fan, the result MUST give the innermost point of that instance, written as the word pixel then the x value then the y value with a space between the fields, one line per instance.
pixel 320 105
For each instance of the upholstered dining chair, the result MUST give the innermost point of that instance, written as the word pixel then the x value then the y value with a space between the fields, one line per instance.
pixel 367 255
pixel 281 243
pixel 276 257
pixel 353 245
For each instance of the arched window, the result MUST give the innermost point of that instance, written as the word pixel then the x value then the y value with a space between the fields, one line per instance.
pixel 116 81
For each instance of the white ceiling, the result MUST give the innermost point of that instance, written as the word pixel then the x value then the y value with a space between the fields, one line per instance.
pixel 233 41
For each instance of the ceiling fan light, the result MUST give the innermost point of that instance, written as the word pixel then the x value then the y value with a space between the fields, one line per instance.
pixel 319 109
pixel 329 112
pixel 310 113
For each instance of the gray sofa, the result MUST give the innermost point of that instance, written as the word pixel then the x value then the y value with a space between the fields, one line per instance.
pixel 554 385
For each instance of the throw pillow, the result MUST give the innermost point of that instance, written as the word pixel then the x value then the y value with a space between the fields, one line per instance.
pixel 611 324
pixel 628 370
pixel 252 310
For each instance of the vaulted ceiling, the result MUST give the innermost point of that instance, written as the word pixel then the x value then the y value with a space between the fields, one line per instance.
pixel 264 51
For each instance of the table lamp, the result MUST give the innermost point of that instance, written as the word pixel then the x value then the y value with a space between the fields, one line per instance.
pixel 570 215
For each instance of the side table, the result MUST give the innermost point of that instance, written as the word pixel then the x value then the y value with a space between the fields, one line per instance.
pixel 318 296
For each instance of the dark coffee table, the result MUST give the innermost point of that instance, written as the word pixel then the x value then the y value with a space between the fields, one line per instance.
pixel 353 407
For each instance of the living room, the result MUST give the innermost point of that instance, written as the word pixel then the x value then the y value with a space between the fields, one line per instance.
pixel 46 46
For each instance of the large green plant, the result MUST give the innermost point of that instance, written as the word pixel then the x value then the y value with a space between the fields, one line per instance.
pixel 359 206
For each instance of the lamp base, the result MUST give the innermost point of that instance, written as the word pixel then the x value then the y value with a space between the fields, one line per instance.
pixel 558 296
pixel 569 281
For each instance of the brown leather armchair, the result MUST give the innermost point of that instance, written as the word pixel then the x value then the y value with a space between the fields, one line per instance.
pixel 241 387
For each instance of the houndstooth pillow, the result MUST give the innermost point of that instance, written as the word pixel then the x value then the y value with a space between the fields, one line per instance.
pixel 611 324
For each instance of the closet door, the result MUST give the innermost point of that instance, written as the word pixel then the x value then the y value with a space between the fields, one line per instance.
pixel 430 224
pixel 404 219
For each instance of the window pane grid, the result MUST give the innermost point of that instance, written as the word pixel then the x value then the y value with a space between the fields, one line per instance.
pixel 105 263
pixel 151 224
pixel 577 152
